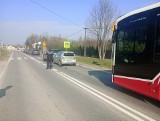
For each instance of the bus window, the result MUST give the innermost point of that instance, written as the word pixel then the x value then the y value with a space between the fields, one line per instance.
pixel 157 43
pixel 140 39
pixel 131 45
pixel 120 40
pixel 129 40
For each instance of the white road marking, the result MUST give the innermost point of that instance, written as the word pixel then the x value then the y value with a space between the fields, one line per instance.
pixel 11 58
pixel 124 108
pixel 115 103
pixel 19 58
pixel 35 59
pixel 55 70
pixel 39 58
pixel 32 58
pixel 25 58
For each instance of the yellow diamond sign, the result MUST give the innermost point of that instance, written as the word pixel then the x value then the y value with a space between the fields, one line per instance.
pixel 66 44
pixel 44 44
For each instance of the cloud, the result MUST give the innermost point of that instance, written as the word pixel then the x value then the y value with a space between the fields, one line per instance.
pixel 17 32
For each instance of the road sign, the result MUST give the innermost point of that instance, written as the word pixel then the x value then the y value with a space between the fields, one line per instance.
pixel 44 44
pixel 66 44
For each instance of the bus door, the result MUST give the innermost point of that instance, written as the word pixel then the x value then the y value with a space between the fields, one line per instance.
pixel 113 52
pixel 156 58
pixel 157 40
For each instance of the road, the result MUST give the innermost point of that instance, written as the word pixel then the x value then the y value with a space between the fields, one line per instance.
pixel 29 92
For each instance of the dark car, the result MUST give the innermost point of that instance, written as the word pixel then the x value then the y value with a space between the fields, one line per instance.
pixel 54 52
pixel 35 52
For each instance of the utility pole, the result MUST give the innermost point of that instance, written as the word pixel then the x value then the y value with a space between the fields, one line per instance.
pixel 85 41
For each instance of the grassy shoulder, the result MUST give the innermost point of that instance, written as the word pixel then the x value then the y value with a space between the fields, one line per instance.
pixel 94 61
pixel 4 53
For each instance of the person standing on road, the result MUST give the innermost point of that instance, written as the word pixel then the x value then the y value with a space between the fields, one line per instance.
pixel 49 59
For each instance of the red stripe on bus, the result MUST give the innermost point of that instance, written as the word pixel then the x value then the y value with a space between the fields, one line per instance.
pixel 150 89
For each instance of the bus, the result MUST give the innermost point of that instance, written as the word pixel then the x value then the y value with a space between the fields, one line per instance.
pixel 136 51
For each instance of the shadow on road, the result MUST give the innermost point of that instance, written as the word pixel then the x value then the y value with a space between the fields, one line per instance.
pixel 106 78
pixel 3 91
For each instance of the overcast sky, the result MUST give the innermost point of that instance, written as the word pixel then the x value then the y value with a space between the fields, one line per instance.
pixel 21 18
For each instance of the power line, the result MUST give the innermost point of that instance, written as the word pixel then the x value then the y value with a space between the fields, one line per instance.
pixel 74 33
pixel 47 9
pixel 60 16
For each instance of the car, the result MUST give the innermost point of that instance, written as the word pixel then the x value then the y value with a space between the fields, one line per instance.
pixel 65 57
pixel 35 52
pixel 30 51
pixel 54 52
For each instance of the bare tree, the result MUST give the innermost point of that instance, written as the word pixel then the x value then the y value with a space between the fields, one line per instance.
pixel 99 23
pixel 33 38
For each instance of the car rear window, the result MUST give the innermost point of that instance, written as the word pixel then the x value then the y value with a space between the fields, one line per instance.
pixel 56 51
pixel 68 54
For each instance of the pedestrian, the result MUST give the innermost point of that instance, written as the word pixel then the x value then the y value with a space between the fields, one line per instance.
pixel 49 59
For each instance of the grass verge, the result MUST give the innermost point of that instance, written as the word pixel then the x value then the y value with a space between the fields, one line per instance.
pixel 4 53
pixel 106 63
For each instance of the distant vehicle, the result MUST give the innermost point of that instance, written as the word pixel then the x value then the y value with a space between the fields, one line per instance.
pixel 136 51
pixel 29 51
pixel 26 51
pixel 32 51
pixel 54 52
pixel 22 49
pixel 65 57
pixel 35 52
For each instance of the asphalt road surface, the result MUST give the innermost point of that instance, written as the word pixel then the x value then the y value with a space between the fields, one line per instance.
pixel 29 92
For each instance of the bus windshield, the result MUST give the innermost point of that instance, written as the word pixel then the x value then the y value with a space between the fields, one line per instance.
pixel 132 45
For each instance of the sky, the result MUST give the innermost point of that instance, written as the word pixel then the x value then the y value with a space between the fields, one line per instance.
pixel 21 18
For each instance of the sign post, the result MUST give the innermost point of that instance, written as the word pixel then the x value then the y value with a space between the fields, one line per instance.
pixel 44 47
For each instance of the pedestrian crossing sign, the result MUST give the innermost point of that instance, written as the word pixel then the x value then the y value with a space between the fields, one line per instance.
pixel 66 44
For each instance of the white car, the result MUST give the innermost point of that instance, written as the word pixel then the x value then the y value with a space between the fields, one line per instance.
pixel 64 57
